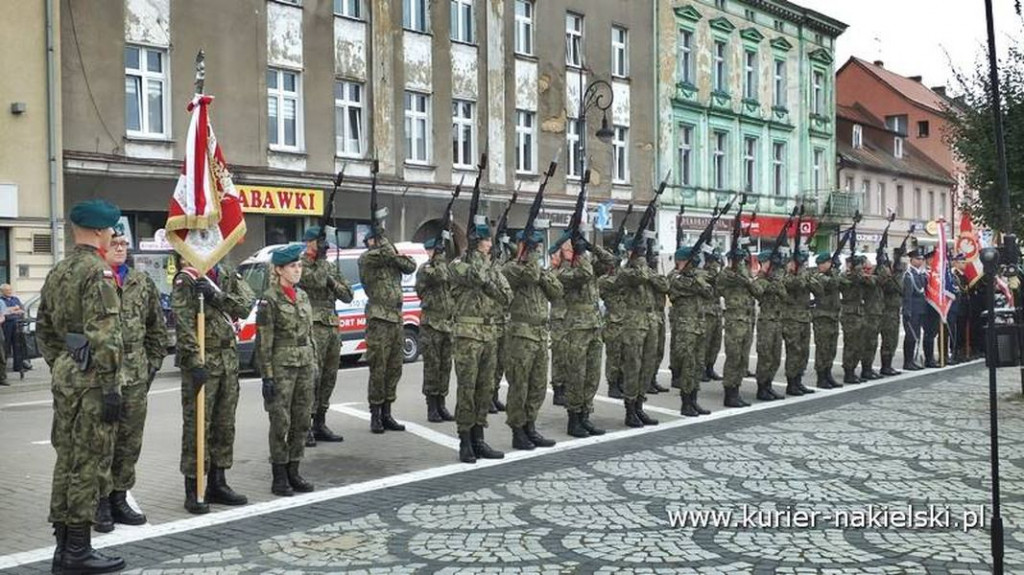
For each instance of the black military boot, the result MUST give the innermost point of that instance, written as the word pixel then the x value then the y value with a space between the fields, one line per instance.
pixel 687 408
pixel 800 385
pixel 279 485
pixel 466 454
pixel 192 503
pixel 654 387
pixel 433 415
pixel 442 409
pixel 867 373
pixel 733 399
pixel 218 490
pixel 60 533
pixel 480 447
pixel 102 521
pixel 792 388
pixel 832 379
pixel 320 430
pixel 496 401
pixel 615 389
pixel 575 427
pixel 295 480
pixel 310 438
pixel 631 418
pixel 389 422
pixel 585 422
pixel 764 391
pixel 887 368
pixel 559 397
pixel 693 399
pixel 850 376
pixel 823 382
pixel 376 422
pixel 642 415
pixel 520 440
pixel 79 556
pixel 704 377
pixel 123 513
pixel 712 374
pixel 535 437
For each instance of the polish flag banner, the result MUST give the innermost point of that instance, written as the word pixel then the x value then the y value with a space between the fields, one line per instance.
pixel 967 243
pixel 938 293
pixel 204 220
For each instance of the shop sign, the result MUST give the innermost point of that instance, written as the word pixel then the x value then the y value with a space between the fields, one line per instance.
pixel 281 201
pixel 872 238
pixel 159 242
pixel 770 226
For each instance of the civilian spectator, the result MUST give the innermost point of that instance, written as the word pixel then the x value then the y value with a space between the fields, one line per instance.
pixel 14 316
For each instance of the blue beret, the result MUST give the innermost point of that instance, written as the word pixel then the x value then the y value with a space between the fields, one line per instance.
pixel 95 214
pixel 430 243
pixel 482 231
pixel 764 256
pixel 286 255
pixel 535 238
pixel 372 233
pixel 312 233
pixel 683 253
pixel 801 256
pixel 823 257
pixel 557 244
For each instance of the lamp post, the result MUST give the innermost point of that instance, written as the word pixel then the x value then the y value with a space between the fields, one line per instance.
pixel 597 95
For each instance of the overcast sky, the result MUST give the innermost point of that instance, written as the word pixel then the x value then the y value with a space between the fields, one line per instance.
pixel 912 37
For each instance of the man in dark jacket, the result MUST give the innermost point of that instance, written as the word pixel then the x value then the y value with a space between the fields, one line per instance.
pixel 914 308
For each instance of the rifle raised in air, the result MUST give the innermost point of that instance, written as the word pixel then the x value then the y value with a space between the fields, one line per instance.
pixel 783 234
pixel 474 208
pixel 501 239
pixel 538 201
pixel 444 235
pixel 705 236
pixel 328 215
pixel 620 234
pixel 847 237
pixel 648 216
pixel 376 215
pixel 881 258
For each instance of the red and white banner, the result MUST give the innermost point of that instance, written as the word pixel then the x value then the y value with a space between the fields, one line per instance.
pixel 204 220
pixel 967 244
pixel 939 292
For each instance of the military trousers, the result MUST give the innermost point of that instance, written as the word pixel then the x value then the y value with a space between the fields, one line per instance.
pixel 612 336
pixel 499 356
pixel 852 331
pixel 526 362
pixel 713 338
pixel 221 394
pixel 583 369
pixel 653 352
pixel 769 348
pixel 826 343
pixel 870 330
pixel 932 325
pixel 288 411
pixel 128 439
pixel 890 331
pixel 561 363
pixel 739 337
pixel 634 351
pixel 687 359
pixel 384 355
pixel 911 337
pixel 85 448
pixel 474 372
pixel 437 360
pixel 797 337
pixel 328 349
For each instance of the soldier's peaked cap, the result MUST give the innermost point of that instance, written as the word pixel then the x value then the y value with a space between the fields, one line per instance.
pixel 95 214
pixel 312 233
pixel 287 254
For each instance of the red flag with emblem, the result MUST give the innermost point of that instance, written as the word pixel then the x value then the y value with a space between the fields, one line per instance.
pixel 967 243
pixel 937 292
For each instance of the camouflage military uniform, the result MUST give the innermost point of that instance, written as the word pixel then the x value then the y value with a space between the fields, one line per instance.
pixel 381 269
pixel 79 296
pixel 221 388
pixel 561 363
pixel 826 323
pixel 770 293
pixel 634 318
pixel 287 356
pixel 436 323
pixel 615 300
pixel 688 292
pixel 874 310
pixel 654 340
pixel 852 285
pixel 892 295
pixel 736 287
pixel 324 285
pixel 796 322
pixel 713 320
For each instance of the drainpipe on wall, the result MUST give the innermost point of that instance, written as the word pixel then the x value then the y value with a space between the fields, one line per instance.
pixel 57 246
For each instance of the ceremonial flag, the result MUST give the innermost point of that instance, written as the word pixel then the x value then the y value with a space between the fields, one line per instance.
pixel 204 220
pixel 938 293
pixel 968 244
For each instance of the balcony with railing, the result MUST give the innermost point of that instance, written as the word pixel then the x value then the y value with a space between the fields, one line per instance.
pixel 816 204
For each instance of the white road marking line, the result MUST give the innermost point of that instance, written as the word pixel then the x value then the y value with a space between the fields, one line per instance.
pixel 422 431
pixel 647 406
pixel 43 442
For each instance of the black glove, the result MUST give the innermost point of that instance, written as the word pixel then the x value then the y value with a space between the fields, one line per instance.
pixel 268 388
pixel 111 407
pixel 199 377
pixel 204 287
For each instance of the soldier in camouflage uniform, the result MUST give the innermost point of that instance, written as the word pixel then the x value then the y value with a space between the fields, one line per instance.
pixel 561 362
pixel 381 268
pixel 227 299
pixel 79 299
pixel 735 285
pixel 324 285
pixel 481 296
pixel 825 317
pixel 796 322
pixel 892 298
pixel 770 292
pixel 575 269
pixel 288 363
pixel 874 309
pixel 144 340
pixel 433 285
pixel 852 285
pixel 615 300
pixel 504 252
pixel 526 346
pixel 713 319
pixel 654 340
pixel 688 292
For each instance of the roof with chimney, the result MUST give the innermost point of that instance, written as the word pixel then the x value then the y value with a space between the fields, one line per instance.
pixel 909 88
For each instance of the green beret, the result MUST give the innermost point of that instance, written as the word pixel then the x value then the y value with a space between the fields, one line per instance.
pixel 430 243
pixel 801 256
pixel 95 214
pixel 557 244
pixel 119 229
pixel 312 233
pixel 536 237
pixel 372 233
pixel 738 253
pixel 286 255
pixel 823 257
pixel 482 231
pixel 683 253
pixel 764 256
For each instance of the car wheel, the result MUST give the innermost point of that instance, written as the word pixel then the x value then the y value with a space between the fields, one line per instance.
pixel 411 345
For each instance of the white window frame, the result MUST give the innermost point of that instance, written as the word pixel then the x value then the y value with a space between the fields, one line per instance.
pixel 719 70
pixel 685 147
pixel 524 27
pixel 417 127
pixel 526 142
pixel 818 92
pixel 348 101
pixel 881 200
pixel 415 15
pixel 897 147
pixel 849 184
pixel 463 133
pixel 349 8
pixel 750 144
pixel 750 73
pixel 857 138
pixel 779 76
pixel 279 96
pixel 684 53
pixel 620 52
pixel 901 201
pixel 818 158
pixel 865 192
pixel 144 79
pixel 779 168
pixel 931 204
pixel 620 154
pixel 574 31
pixel 719 159
pixel 574 165
pixel 918 203
pixel 463 24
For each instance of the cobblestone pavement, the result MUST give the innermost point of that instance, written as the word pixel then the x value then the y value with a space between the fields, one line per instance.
pixel 608 507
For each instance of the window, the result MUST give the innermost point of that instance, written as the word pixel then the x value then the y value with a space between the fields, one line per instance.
pixel 718 77
pixel 718 160
pixel 897 124
pixel 918 205
pixel 620 52
pixel 414 15
pixel 922 129
pixel 750 75
pixel 900 205
pixel 778 168
pixel 818 38
pixel 284 109
pixel 882 201
pixel 942 203
pixel 463 134
pixel 685 143
pixel 462 21
pixel 526 148
pixel 417 122
pixel 931 204
pixel 749 164
pixel 573 40
pixel 524 27
pixel 819 168
pixel 572 145
pixel 818 89
pixel 779 94
pixel 858 136
pixel 145 83
pixel 720 4
pixel 780 26
pixel 348 119
pixel 350 8
pixel 748 14
pixel 865 194
pixel 849 184
pixel 897 147
pixel 620 155
pixel 685 47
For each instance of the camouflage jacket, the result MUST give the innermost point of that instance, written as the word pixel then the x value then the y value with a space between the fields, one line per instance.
pixel 80 296
pixel 688 291
pixel 797 303
pixel 285 329
pixel 433 285
pixel 771 294
pixel 232 303
pixel 852 286
pixel 713 306
pixel 737 289
pixel 633 295
pixel 324 285
pixel 874 294
pixel 892 290
pixel 143 329
pixel 826 295
pixel 614 299
pixel 381 269
pixel 481 296
pixel 657 295
pixel 532 288
pixel 581 293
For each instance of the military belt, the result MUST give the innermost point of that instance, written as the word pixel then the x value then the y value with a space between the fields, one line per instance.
pixel 529 320
pixel 581 307
pixel 219 343
pixel 478 320
pixel 288 342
